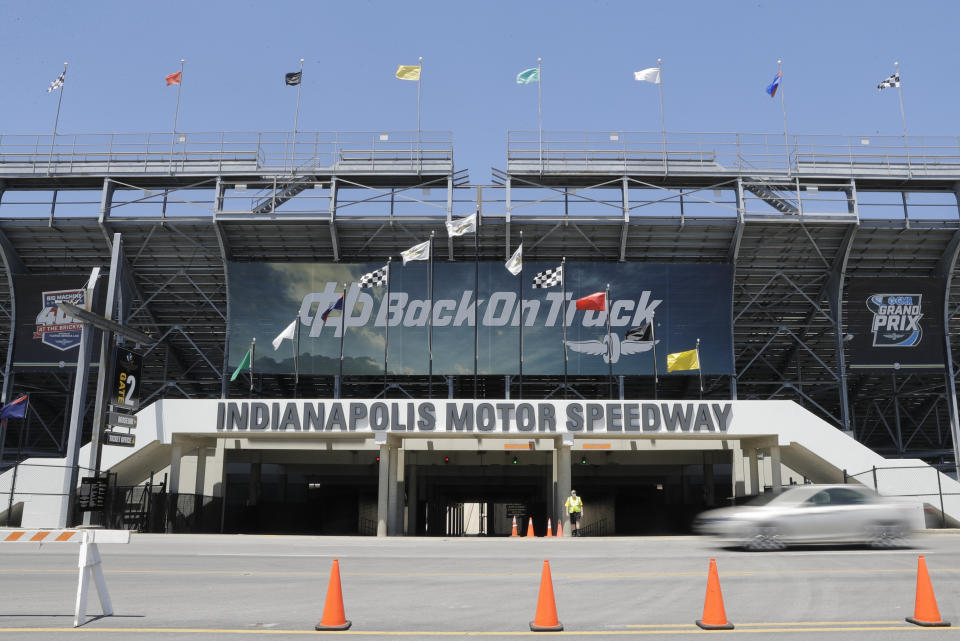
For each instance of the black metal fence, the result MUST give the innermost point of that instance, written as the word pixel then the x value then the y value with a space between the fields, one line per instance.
pixel 891 481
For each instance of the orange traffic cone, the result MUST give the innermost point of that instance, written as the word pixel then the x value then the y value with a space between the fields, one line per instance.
pixel 714 616
pixel 559 528
pixel 333 617
pixel 530 527
pixel 513 531
pixel 545 619
pixel 925 611
pixel 549 529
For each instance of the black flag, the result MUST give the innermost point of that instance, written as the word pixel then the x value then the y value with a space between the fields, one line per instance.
pixel 639 334
pixel 293 79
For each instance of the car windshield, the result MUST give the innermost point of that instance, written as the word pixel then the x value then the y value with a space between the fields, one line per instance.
pixel 766 498
pixel 791 495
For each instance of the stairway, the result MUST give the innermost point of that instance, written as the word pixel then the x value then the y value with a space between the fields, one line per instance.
pixel 282 194
pixel 767 194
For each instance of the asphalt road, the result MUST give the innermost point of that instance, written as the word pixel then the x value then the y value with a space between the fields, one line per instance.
pixel 173 587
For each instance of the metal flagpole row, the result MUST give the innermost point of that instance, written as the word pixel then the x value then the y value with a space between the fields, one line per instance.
pixel 699 369
pixel 343 332
pixel 253 347
pixel 540 112
pixel 663 120
pixel 520 391
pixel 419 144
pixel 176 117
pixel 296 355
pixel 476 303
pixel 653 338
pixel 903 116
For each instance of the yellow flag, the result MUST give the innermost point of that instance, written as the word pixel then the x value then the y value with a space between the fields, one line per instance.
pixel 683 361
pixel 408 72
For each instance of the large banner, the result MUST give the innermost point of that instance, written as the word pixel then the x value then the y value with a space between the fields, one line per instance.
pixel 45 337
pixel 895 323
pixel 687 301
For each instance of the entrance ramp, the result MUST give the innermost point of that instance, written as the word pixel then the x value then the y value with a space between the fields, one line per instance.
pixel 815 448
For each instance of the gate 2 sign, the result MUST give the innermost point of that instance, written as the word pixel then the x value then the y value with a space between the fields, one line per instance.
pixel 126 379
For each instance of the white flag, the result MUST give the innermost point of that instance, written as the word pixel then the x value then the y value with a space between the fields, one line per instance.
pixel 463 226
pixel 648 75
pixel 515 264
pixel 417 252
pixel 288 333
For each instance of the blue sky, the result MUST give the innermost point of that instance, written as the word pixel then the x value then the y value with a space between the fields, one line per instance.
pixel 718 57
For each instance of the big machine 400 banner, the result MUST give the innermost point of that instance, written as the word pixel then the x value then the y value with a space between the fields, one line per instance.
pixel 45 336
pixel 685 301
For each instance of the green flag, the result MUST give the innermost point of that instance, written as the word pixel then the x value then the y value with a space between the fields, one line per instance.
pixel 244 363
pixel 527 76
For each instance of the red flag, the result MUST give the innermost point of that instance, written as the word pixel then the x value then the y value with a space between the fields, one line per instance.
pixel 597 302
pixel 174 78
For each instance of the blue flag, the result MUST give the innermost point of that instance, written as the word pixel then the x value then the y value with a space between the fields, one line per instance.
pixel 337 305
pixel 15 409
pixel 773 86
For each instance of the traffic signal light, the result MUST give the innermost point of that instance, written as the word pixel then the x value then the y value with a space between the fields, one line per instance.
pixel 514 460
pixel 583 460
pixel 446 459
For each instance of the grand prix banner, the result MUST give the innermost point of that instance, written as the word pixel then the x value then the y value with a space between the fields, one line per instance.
pixel 45 337
pixel 896 323
pixel 687 302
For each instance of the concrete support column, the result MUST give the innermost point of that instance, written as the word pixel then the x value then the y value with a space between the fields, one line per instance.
pixel 709 490
pixel 754 470
pixel 199 480
pixel 393 455
pixel 563 473
pixel 214 479
pixel 411 483
pixel 173 480
pixel 383 489
pixel 775 481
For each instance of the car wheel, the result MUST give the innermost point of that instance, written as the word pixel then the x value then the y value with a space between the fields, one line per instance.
pixel 886 535
pixel 764 538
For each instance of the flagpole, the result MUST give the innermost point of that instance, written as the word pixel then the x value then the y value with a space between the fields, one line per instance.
pixel 176 117
pixel 253 347
pixel 520 391
pixel 903 117
pixel 343 331
pixel 386 338
pixel 419 146
pixel 653 337
pixel 430 320
pixel 663 121
pixel 296 356
pixel 56 120
pixel 476 302
pixel 563 286
pixel 606 305
pixel 540 113
pixel 783 107
pixel 700 369
pixel 296 121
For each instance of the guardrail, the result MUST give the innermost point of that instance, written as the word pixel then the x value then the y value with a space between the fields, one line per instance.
pixel 733 153
pixel 224 152
pixel 881 479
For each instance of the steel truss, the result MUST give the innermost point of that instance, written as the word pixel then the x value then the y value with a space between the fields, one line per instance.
pixel 795 232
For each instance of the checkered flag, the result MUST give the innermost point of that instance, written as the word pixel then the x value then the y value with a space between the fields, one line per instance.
pixel 376 278
pixel 548 278
pixel 892 81
pixel 58 82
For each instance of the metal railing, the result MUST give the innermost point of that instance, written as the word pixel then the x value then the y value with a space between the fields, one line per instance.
pixel 881 479
pixel 733 153
pixel 224 152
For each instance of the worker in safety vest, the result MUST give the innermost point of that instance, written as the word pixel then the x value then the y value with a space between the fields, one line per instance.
pixel 574 507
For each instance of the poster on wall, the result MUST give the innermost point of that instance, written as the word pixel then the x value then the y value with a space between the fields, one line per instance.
pixel 45 336
pixel 895 323
pixel 684 301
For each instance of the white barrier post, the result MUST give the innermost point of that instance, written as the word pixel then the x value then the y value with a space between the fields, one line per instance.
pixel 90 566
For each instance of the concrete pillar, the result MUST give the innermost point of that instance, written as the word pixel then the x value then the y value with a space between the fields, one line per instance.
pixel 754 470
pixel 563 473
pixel 383 489
pixel 214 481
pixel 173 482
pixel 775 481
pixel 201 470
pixel 709 490
pixel 393 455
pixel 411 482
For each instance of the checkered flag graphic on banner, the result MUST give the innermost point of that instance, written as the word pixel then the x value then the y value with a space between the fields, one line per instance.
pixel 892 81
pixel 376 278
pixel 548 278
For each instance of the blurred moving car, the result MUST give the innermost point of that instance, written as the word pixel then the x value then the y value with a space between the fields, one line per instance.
pixel 806 514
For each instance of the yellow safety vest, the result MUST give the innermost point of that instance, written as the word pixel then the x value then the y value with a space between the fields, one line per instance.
pixel 574 504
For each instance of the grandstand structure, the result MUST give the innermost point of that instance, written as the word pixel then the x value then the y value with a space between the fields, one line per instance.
pixel 797 218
